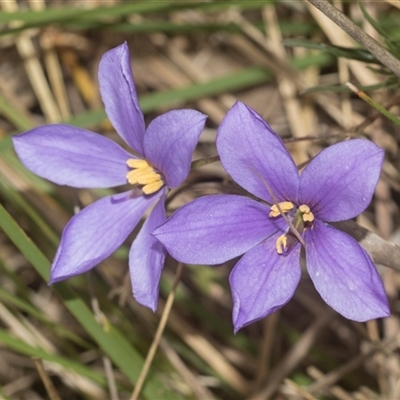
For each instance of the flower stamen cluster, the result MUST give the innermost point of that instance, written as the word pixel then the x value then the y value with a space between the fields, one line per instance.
pixel 301 218
pixel 306 213
pixel 144 174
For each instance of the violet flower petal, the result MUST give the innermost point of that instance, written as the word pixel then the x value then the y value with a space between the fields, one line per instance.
pixel 72 156
pixel 169 143
pixel 263 281
pixel 96 232
pixel 146 259
pixel 213 229
pixel 344 274
pixel 119 96
pixel 339 182
pixel 255 156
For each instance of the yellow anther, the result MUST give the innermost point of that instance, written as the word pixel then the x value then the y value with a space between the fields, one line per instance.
pixel 136 163
pixel 149 178
pixel 285 206
pixel 152 187
pixel 304 208
pixel 307 215
pixel 281 244
pixel 144 174
pixel 137 175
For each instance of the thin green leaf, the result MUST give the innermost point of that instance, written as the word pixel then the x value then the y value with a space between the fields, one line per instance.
pixel 392 45
pixel 20 121
pixel 16 199
pixel 59 14
pixel 344 89
pixel 23 348
pixel 373 103
pixel 89 18
pixel 374 23
pixel 28 308
pixel 337 51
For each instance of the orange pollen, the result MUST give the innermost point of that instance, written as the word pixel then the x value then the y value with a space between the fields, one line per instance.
pixel 144 174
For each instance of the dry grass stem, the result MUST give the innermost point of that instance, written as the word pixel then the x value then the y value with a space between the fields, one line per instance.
pixel 50 388
pixel 161 326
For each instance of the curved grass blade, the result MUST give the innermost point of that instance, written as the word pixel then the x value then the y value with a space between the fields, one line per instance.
pixel 337 51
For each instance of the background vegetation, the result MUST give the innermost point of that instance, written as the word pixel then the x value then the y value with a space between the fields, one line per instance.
pixel 87 338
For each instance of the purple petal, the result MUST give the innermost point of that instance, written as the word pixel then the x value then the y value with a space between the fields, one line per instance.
pixel 169 143
pixel 263 281
pixel 72 156
pixel 96 232
pixel 119 96
pixel 344 274
pixel 146 259
pixel 214 229
pixel 339 182
pixel 255 156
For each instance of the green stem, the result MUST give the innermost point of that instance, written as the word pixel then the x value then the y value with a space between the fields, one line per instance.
pixel 362 95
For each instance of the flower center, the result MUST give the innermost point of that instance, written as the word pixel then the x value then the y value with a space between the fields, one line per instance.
pixel 306 213
pixel 144 174
pixel 301 218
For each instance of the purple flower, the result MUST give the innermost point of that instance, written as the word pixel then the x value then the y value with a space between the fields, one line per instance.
pixel 336 185
pixel 68 155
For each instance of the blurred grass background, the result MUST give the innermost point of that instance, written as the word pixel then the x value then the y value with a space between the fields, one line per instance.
pixel 87 336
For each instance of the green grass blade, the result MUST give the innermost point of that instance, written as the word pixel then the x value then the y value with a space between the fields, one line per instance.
pixel 337 51
pixel 23 348
pixel 14 116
